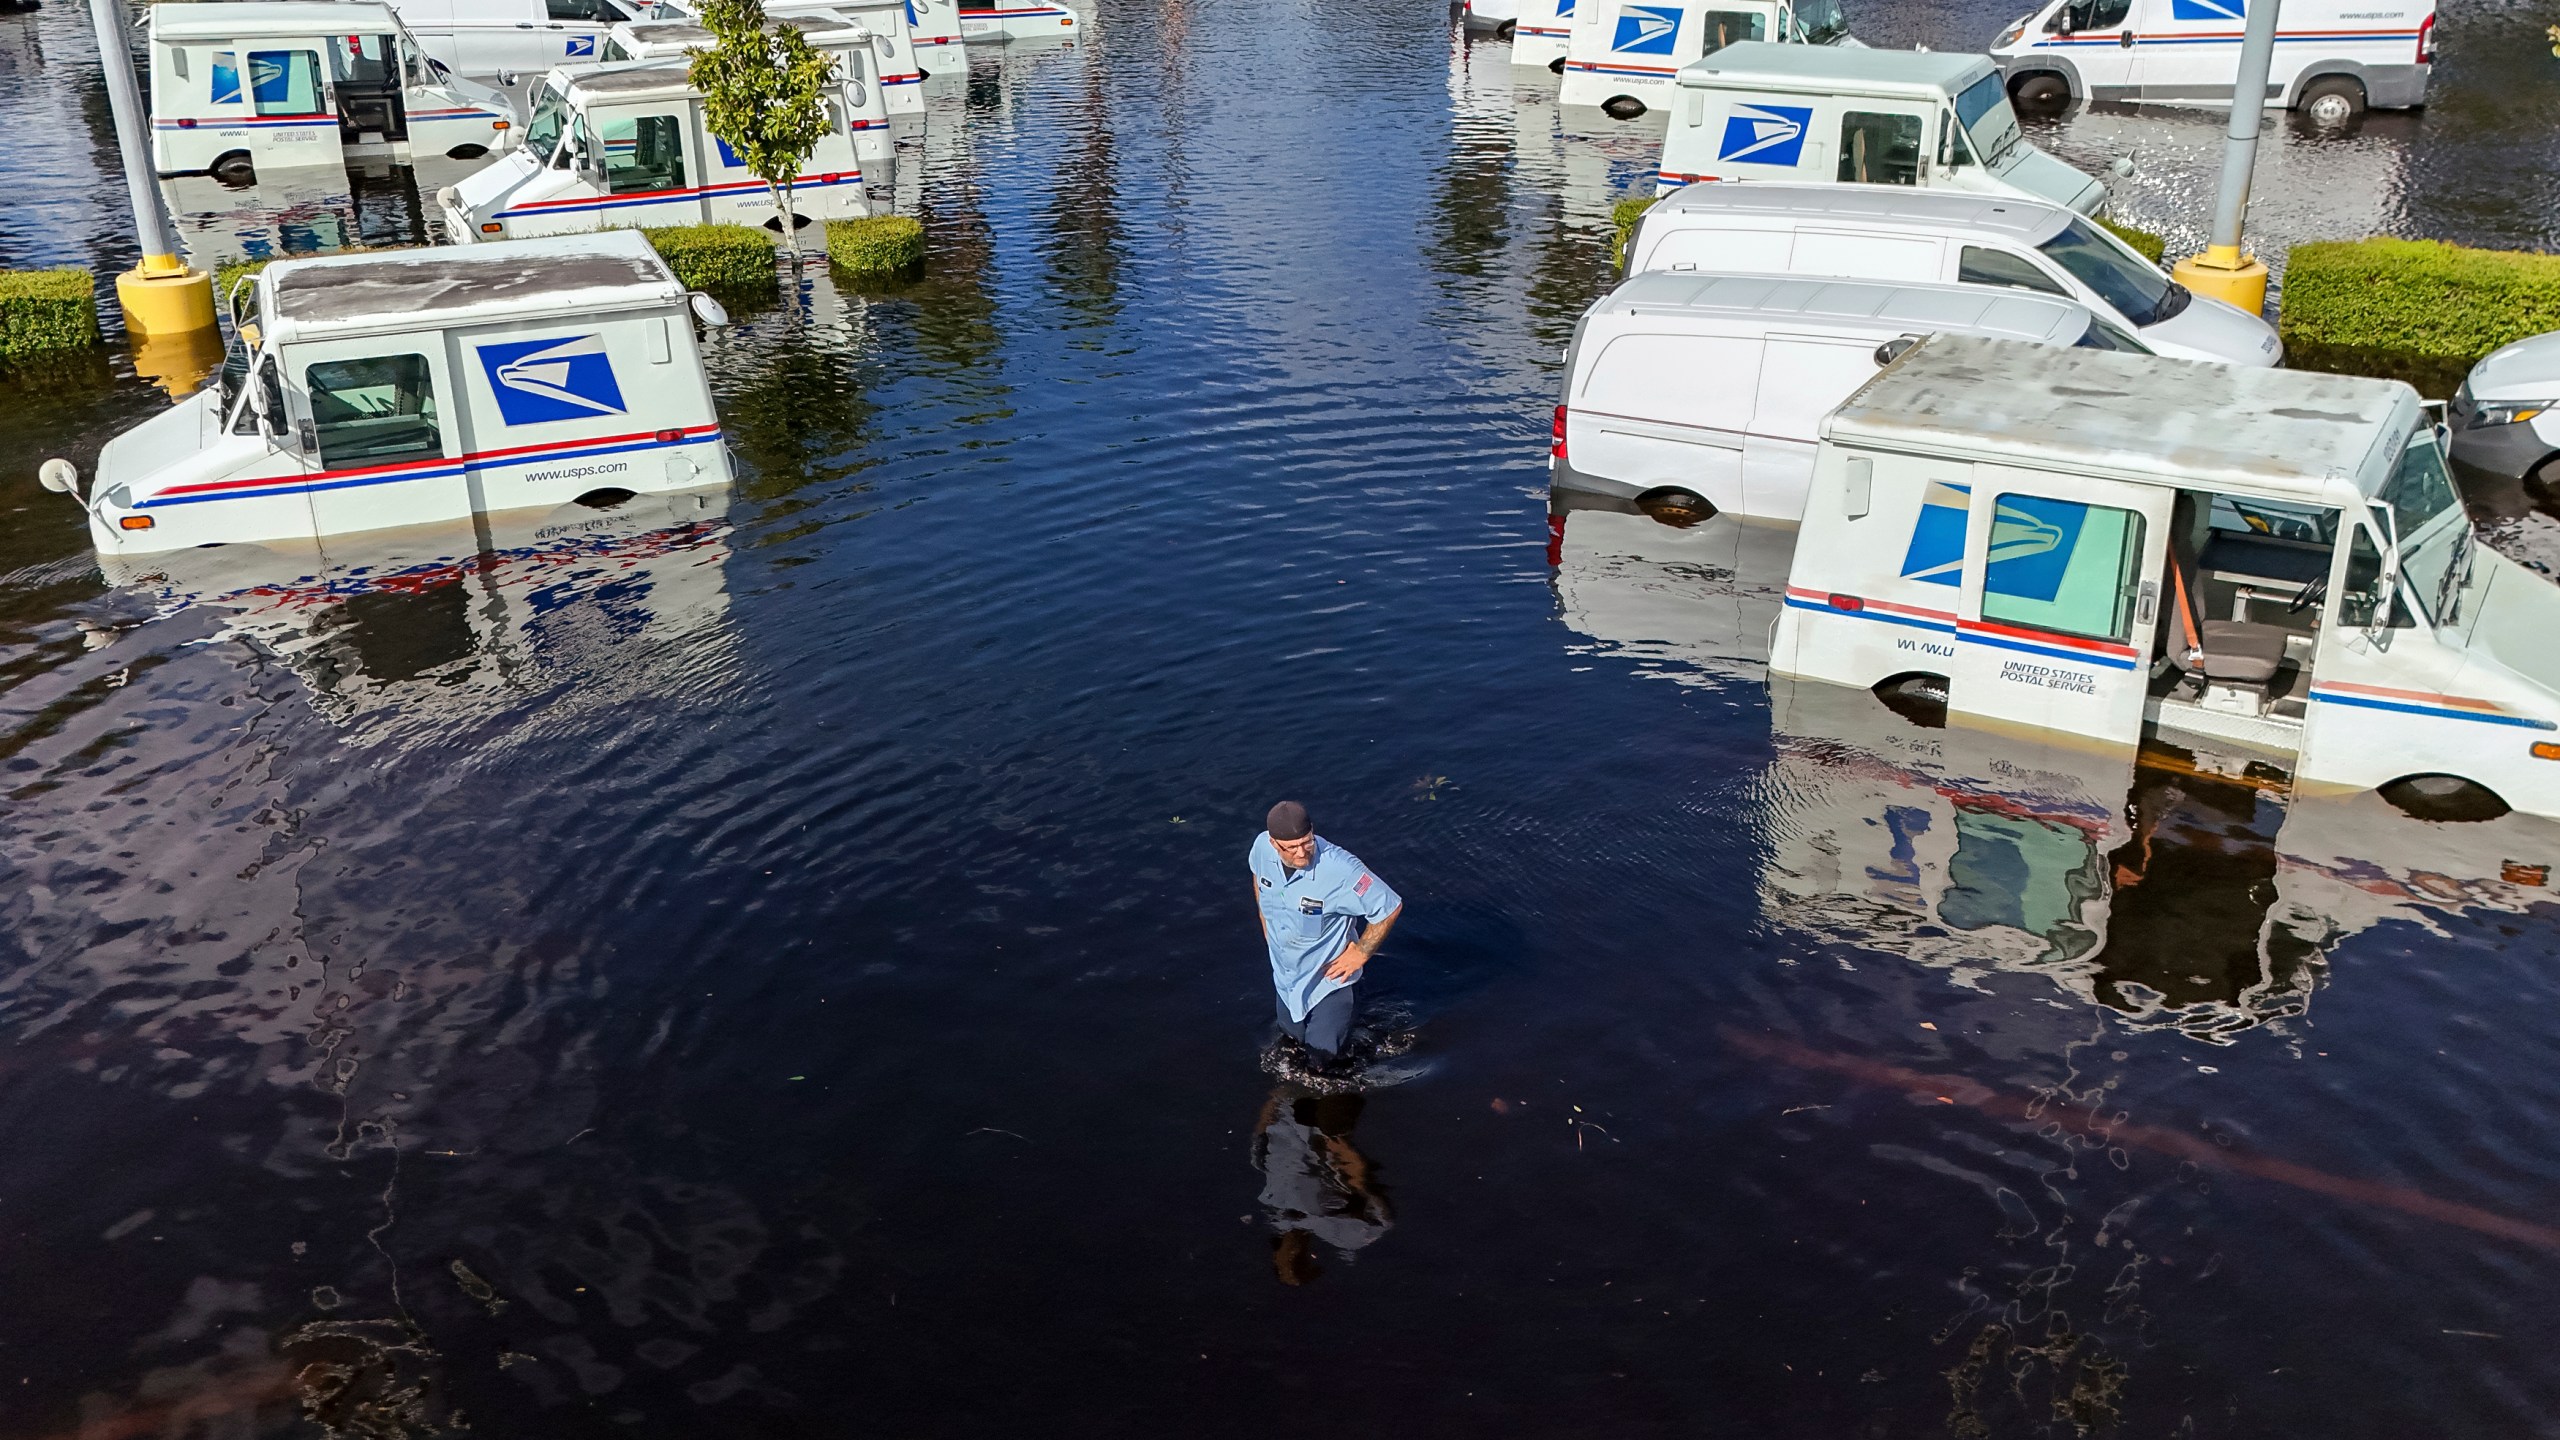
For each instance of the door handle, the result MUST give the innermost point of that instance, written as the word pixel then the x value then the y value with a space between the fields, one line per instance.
pixel 2125 40
pixel 2149 604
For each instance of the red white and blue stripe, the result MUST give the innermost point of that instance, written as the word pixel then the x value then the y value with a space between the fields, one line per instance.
pixel 579 204
pixel 2428 703
pixel 259 487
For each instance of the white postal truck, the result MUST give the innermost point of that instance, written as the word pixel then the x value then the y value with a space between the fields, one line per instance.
pixel 848 43
pixel 1869 232
pixel 500 39
pixel 2108 546
pixel 2333 58
pixel 304 84
pixel 423 386
pixel 1837 114
pixel 1624 57
pixel 627 146
pixel 1707 391
pixel 898 47
pixel 984 22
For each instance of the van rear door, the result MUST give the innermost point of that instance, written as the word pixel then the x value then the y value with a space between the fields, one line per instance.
pixel 2060 601
pixel 1672 409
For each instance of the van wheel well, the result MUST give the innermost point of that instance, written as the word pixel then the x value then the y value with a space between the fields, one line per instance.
pixel 1675 505
pixel 1622 107
pixel 233 168
pixel 466 152
pixel 604 499
pixel 2444 797
pixel 2040 91
pixel 1556 66
pixel 1506 29
pixel 798 222
pixel 2331 100
pixel 1919 696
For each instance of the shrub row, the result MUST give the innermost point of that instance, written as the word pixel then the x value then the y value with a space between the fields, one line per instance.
pixel 879 245
pixel 1622 218
pixel 730 258
pixel 42 311
pixel 2149 246
pixel 2416 310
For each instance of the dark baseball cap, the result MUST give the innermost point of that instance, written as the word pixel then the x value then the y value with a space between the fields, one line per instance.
pixel 1288 821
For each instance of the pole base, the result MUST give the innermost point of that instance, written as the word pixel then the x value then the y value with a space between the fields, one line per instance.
pixel 165 300
pixel 2225 275
pixel 179 363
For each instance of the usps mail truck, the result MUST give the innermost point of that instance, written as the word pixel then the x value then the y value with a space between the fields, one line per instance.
pixel 1623 56
pixel 2276 562
pixel 897 46
pixel 1542 33
pixel 986 22
pixel 1855 116
pixel 629 146
pixel 2333 58
pixel 848 43
pixel 506 38
pixel 306 84
pixel 420 386
pixel 1704 392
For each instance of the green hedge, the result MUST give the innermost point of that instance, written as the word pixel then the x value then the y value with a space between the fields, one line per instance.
pixel 880 245
pixel 2416 310
pixel 729 258
pixel 1623 216
pixel 2149 246
pixel 42 311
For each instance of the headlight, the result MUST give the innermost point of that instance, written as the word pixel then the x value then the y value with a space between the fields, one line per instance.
pixel 2010 36
pixel 2509 412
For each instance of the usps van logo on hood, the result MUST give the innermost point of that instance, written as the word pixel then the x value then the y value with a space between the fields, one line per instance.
pixel 539 381
pixel 1646 30
pixel 1765 134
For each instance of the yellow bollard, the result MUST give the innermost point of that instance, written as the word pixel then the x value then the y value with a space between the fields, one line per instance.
pixel 2223 273
pixel 164 297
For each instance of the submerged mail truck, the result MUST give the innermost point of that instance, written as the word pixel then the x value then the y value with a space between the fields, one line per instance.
pixel 2105 545
pixel 1872 232
pixel 1850 115
pixel 2333 58
pixel 422 386
pixel 986 22
pixel 897 47
pixel 1704 392
pixel 1624 57
pixel 306 84
pixel 504 38
pixel 627 146
pixel 848 43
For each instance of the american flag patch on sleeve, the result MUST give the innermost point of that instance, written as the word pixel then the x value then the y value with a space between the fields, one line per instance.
pixel 1363 887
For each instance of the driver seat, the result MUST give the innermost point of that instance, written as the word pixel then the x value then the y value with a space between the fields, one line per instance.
pixel 2236 660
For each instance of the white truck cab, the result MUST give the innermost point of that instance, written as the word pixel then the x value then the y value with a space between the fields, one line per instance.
pixel 849 43
pixel 423 386
pixel 1851 115
pixel 500 39
pixel 1624 57
pixel 1706 392
pixel 2112 546
pixel 1943 237
pixel 628 146
pixel 987 22
pixel 303 84
pixel 2333 58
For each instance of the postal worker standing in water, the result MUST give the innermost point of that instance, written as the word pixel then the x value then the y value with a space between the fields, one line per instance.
pixel 1323 916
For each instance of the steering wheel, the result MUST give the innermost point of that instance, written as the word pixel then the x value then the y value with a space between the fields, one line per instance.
pixel 2312 594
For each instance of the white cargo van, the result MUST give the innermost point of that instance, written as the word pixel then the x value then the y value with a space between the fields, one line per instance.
pixel 421 386
pixel 1624 56
pixel 984 22
pixel 505 38
pixel 1686 388
pixel 2112 545
pixel 2331 61
pixel 303 84
pixel 850 45
pixel 1943 237
pixel 1496 16
pixel 1850 115
pixel 627 146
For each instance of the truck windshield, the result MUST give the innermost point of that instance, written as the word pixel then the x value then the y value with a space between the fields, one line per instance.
pixel 550 117
pixel 2432 527
pixel 1984 108
pixel 1819 22
pixel 2139 293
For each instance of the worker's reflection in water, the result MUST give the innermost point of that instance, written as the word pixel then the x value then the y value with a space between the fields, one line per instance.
pixel 1316 1185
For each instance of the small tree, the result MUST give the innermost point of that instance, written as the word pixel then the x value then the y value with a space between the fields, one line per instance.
pixel 764 94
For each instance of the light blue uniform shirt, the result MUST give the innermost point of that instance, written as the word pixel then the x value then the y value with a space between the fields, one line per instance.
pixel 1310 915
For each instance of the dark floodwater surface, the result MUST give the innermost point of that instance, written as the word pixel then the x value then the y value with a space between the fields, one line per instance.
pixel 786 968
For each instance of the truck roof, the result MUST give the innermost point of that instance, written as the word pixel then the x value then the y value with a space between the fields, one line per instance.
pixel 2289 434
pixel 2042 320
pixel 234 19
pixel 816 24
pixel 1900 207
pixel 628 80
pixel 450 285
pixel 1757 64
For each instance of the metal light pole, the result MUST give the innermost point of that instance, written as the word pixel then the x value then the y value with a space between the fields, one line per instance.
pixel 163 299
pixel 2222 271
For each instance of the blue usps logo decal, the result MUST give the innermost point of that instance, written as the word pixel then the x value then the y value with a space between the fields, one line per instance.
pixel 1646 30
pixel 2232 10
pixel 539 381
pixel 582 47
pixel 1936 556
pixel 1765 134
pixel 1564 9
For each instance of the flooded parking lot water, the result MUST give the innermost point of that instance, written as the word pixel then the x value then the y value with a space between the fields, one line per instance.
pixel 782 964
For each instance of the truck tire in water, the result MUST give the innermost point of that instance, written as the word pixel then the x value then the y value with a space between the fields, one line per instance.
pixel 234 170
pixel 1622 107
pixel 2043 93
pixel 2332 101
pixel 2444 798
pixel 1919 698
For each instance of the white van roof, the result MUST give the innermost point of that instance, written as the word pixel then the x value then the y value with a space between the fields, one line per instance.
pixel 241 19
pixel 625 80
pixel 819 25
pixel 453 285
pixel 1896 207
pixel 1824 69
pixel 1867 306
pixel 2287 434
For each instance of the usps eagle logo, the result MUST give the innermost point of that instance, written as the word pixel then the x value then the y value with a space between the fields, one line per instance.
pixel 2230 11
pixel 1645 30
pixel 582 47
pixel 539 381
pixel 1765 134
